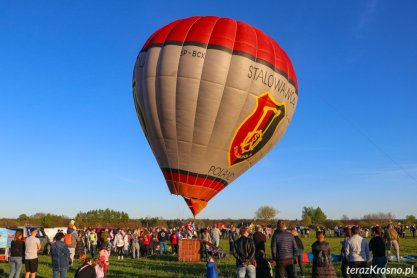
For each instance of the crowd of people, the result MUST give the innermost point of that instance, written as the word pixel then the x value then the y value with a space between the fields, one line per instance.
pixel 93 246
pixel 287 251
pixel 338 231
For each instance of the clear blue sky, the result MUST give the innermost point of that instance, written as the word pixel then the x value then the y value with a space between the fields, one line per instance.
pixel 70 140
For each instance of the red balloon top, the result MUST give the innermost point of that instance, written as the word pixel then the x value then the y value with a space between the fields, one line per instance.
pixel 225 34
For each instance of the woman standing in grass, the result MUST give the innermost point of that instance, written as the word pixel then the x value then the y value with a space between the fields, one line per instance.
pixel 322 265
pixel 119 243
pixel 17 251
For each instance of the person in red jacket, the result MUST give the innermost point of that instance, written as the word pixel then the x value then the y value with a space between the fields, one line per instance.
pixel 173 238
pixel 146 240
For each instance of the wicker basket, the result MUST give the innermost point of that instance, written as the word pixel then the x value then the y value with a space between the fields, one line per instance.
pixel 189 250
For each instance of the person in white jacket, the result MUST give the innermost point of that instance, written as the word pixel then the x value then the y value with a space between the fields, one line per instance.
pixel 357 252
pixel 119 243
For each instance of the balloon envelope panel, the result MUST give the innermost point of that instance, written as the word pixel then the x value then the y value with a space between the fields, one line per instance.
pixel 213 96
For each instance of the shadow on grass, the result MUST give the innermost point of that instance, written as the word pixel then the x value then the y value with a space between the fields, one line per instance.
pixel 165 258
pixel 155 268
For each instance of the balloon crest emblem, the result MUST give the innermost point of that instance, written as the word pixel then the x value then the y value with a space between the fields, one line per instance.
pixel 257 129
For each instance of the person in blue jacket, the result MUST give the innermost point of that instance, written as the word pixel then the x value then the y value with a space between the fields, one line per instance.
pixel 60 257
pixel 212 271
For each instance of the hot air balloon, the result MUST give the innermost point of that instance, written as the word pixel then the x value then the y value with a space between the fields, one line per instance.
pixel 213 96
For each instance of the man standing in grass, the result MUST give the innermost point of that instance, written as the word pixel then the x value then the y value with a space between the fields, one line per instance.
pixel 93 242
pixel 215 233
pixel 393 240
pixel 357 252
pixel 163 238
pixel 377 247
pixel 70 240
pixel 232 236
pixel 284 251
pixel 33 245
pixel 259 239
pixel 244 252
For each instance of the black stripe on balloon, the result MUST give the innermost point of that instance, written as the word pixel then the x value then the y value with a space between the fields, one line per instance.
pixel 194 43
pixel 197 175
pixel 228 50
pixel 174 43
pixel 245 54
pixel 220 47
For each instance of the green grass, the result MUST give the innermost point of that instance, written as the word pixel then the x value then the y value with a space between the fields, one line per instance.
pixel 168 266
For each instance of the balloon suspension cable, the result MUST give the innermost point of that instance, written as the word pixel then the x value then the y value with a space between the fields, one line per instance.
pixel 368 138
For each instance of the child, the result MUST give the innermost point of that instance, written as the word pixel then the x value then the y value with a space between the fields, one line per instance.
pixel 103 255
pixel 86 270
pixel 263 267
pixel 212 271
pixel 99 268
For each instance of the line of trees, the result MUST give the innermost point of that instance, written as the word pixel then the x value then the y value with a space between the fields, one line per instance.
pixel 265 215
pixel 312 215
pixel 100 218
pixel 46 220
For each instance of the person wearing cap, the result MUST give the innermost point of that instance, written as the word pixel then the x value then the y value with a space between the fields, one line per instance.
pixel 284 251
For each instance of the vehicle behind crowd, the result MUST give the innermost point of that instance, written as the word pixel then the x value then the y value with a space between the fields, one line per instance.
pixel 43 238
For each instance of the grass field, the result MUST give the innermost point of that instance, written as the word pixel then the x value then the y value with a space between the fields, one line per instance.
pixel 168 266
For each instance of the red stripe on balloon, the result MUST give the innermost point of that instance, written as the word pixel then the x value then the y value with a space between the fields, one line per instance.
pixel 227 33
pixel 194 180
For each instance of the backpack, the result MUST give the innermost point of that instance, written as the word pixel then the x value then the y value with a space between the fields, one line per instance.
pixel 68 239
pixel 322 259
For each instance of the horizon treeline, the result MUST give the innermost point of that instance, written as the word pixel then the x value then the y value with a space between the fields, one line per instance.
pixel 108 218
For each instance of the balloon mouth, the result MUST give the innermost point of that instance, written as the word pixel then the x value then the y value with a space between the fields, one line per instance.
pixel 195 205
pixel 196 197
pixel 196 189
